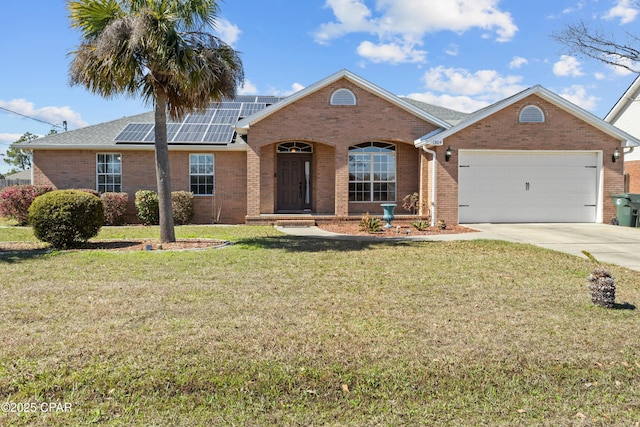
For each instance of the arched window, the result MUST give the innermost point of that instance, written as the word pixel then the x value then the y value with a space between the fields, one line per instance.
pixel 372 172
pixel 295 147
pixel 343 97
pixel 531 114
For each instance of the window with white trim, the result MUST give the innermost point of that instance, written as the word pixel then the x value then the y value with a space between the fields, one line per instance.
pixel 201 176
pixel 531 114
pixel 109 172
pixel 372 172
pixel 343 97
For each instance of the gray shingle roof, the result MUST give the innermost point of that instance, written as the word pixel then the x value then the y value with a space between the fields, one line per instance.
pixel 452 117
pixel 95 136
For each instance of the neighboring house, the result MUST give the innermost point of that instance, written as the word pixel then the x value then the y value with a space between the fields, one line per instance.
pixel 342 146
pixel 18 178
pixel 626 116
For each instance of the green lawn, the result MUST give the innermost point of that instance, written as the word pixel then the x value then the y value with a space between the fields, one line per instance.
pixel 279 330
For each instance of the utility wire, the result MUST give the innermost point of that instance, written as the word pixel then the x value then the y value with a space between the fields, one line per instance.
pixel 33 118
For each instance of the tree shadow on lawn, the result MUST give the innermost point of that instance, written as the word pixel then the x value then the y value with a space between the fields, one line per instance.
pixel 318 244
pixel 15 256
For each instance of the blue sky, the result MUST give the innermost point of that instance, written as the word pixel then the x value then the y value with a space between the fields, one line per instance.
pixel 463 54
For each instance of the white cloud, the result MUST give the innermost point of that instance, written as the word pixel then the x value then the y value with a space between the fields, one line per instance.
pixel 467 91
pixel 625 10
pixel 579 96
pixel 228 32
pixel 599 76
pixel 518 62
pixel 248 88
pixel 464 104
pixel 390 52
pixel 53 115
pixel 9 138
pixel 567 66
pixel 452 50
pixel 409 21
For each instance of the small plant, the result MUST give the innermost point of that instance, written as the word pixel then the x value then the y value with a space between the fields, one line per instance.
pixel 421 225
pixel 147 207
pixel 442 225
pixel 601 284
pixel 182 207
pixel 16 200
pixel 66 218
pixel 115 207
pixel 370 224
pixel 410 203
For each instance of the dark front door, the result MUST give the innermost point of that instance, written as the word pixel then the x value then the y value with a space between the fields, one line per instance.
pixel 294 177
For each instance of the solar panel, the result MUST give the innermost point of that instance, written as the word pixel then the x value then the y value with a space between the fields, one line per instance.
pixel 204 117
pixel 213 125
pixel 134 132
pixel 269 99
pixel 219 133
pixel 172 129
pixel 251 108
pixel 190 133
pixel 226 117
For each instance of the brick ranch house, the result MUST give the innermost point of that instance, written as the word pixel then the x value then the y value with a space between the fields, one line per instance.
pixel 342 146
pixel 626 116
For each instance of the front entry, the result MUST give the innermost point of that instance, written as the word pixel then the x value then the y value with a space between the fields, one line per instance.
pixel 294 182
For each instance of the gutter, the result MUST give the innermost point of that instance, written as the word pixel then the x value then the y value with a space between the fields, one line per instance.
pixel 433 185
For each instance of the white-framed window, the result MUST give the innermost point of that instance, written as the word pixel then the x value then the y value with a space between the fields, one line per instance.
pixel 343 97
pixel 201 174
pixel 109 172
pixel 372 172
pixel 531 114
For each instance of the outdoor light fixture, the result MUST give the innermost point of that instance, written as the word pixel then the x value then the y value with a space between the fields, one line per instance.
pixel 615 156
pixel 447 154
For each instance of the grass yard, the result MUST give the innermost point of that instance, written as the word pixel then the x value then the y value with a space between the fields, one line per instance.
pixel 280 330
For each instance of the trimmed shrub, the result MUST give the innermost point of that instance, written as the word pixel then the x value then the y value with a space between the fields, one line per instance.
pixel 182 207
pixel 115 207
pixel 15 201
pixel 147 207
pixel 66 218
pixel 88 190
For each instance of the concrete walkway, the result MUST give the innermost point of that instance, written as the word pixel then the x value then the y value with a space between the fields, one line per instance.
pixel 607 243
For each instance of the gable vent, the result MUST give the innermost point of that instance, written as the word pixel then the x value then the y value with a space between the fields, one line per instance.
pixel 343 97
pixel 531 114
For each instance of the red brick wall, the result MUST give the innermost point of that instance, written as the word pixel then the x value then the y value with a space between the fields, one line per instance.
pixel 502 131
pixel 77 169
pixel 632 169
pixel 331 130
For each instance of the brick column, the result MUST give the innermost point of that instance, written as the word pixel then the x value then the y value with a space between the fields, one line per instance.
pixel 253 182
pixel 342 181
pixel 425 184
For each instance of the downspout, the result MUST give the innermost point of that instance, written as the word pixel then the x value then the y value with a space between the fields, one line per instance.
pixel 433 185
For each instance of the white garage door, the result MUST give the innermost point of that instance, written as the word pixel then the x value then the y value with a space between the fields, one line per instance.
pixel 521 186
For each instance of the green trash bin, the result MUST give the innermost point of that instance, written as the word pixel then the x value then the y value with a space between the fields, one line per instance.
pixel 634 201
pixel 624 210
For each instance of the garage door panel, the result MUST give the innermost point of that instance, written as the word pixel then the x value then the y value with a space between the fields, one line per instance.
pixel 520 186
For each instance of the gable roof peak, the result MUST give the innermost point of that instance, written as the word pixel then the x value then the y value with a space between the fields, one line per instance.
pixel 242 127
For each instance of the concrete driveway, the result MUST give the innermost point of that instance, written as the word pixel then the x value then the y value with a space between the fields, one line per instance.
pixel 607 243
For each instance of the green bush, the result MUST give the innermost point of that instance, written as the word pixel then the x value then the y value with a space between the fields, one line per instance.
pixel 182 207
pixel 115 207
pixel 66 218
pixel 16 199
pixel 147 207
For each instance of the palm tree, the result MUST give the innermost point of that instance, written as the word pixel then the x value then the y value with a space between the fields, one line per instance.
pixel 156 49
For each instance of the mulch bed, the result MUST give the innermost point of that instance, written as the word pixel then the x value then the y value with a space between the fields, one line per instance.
pixel 399 229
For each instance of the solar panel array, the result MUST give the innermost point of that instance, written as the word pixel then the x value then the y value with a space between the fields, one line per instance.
pixel 212 126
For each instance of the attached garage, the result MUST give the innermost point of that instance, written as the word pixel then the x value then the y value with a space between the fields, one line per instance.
pixel 527 186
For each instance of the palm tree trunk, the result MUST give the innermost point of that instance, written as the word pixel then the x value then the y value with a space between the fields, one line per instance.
pixel 167 232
